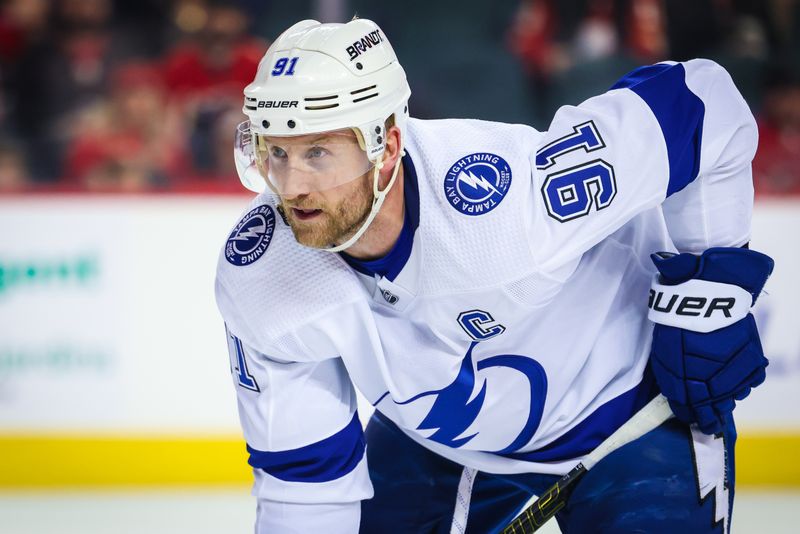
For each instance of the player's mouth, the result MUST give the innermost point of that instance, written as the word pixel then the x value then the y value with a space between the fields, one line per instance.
pixel 305 214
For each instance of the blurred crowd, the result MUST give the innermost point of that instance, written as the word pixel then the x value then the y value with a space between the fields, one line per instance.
pixel 577 48
pixel 140 96
pixel 122 96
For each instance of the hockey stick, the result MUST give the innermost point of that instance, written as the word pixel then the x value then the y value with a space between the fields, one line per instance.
pixel 554 499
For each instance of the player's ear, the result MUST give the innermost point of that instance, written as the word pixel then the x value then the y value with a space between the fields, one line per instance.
pixel 392 152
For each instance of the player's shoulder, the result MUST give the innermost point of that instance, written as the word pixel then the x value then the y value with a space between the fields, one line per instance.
pixel 472 158
pixel 460 132
pixel 268 286
pixel 475 198
pixel 469 170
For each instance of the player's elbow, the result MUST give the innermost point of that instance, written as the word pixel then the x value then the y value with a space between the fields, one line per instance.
pixel 729 122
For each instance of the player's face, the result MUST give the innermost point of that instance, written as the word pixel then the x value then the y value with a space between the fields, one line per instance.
pixel 303 164
pixel 324 184
pixel 331 217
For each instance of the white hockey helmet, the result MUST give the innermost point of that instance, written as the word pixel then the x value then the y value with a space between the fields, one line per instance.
pixel 323 78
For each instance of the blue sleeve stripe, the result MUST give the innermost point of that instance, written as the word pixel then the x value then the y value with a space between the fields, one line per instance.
pixel 679 112
pixel 323 461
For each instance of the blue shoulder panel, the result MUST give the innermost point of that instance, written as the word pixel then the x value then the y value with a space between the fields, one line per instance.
pixel 679 112
pixel 323 461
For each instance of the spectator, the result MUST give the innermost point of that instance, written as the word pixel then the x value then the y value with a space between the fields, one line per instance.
pixel 574 50
pixel 132 143
pixel 221 59
pixel 645 30
pixel 205 73
pixel 64 74
pixel 532 38
pixel 21 22
pixel 776 168
pixel 13 172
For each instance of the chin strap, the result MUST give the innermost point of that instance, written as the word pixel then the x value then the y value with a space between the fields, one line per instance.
pixel 378 198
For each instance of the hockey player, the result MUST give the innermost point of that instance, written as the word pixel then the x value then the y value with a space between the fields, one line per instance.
pixel 485 286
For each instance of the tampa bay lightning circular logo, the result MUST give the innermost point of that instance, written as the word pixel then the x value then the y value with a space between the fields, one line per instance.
pixel 251 237
pixel 477 183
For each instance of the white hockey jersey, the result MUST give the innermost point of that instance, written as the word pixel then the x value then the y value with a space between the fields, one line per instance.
pixel 512 337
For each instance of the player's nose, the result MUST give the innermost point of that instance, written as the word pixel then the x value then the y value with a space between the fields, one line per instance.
pixel 296 183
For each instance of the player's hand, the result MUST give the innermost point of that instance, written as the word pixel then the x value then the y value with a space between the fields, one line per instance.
pixel 706 352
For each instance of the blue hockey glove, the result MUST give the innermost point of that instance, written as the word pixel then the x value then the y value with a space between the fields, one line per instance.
pixel 706 351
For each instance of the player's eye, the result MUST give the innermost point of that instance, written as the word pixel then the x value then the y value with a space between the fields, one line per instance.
pixel 316 152
pixel 277 152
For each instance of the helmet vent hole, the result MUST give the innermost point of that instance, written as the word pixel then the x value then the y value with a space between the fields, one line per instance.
pixel 325 106
pixel 356 100
pixel 322 102
pixel 357 91
pixel 320 98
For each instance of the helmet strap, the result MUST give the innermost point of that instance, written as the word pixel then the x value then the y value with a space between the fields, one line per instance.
pixel 377 201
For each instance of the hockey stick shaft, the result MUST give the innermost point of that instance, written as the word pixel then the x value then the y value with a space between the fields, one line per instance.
pixel 555 498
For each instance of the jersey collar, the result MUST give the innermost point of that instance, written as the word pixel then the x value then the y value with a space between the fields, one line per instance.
pixel 390 265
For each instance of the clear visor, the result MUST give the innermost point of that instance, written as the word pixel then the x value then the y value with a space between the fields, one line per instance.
pixel 297 165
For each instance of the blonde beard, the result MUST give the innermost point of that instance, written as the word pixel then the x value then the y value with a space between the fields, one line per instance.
pixel 336 224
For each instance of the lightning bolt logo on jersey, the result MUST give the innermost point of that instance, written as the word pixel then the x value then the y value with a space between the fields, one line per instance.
pixel 477 183
pixel 251 237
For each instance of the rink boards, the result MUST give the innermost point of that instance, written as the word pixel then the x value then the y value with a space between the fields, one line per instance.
pixel 114 368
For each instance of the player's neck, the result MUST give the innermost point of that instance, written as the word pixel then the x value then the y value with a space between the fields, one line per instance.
pixel 384 231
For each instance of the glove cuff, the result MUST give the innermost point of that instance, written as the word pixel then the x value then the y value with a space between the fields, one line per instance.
pixel 697 305
pixel 743 267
